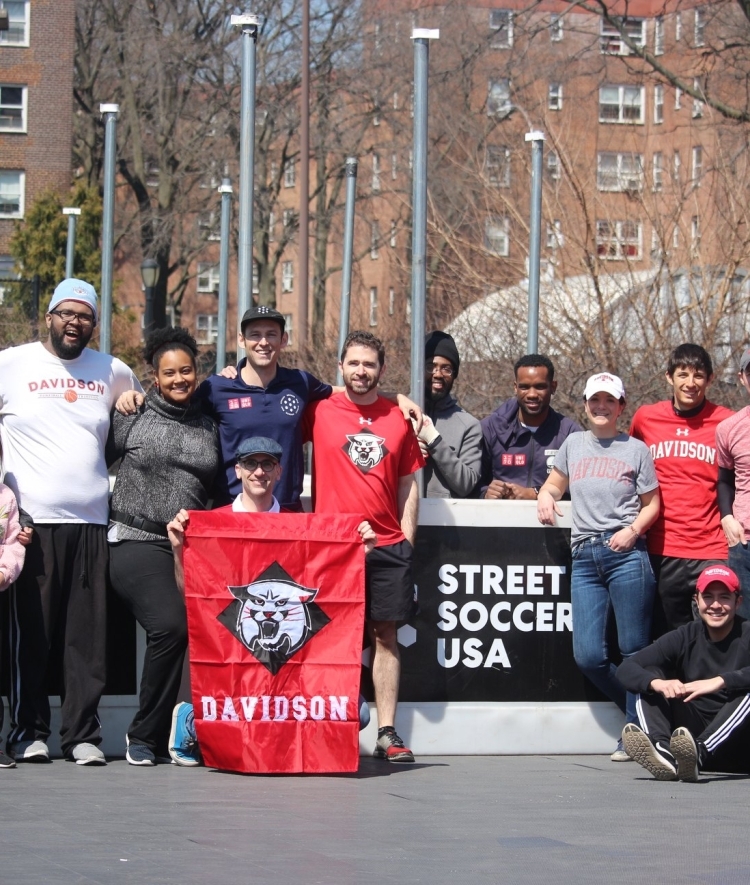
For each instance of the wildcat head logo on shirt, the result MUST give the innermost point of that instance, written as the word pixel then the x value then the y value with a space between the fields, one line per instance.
pixel 273 616
pixel 365 449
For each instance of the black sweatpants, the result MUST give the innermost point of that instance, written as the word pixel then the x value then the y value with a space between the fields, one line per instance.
pixel 725 734
pixel 58 619
pixel 675 588
pixel 142 575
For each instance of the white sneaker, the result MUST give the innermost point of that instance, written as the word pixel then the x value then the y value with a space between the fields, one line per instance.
pixel 29 751
pixel 87 754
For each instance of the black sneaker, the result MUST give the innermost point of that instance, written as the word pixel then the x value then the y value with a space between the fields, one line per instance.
pixel 655 758
pixel 390 746
pixel 685 751
pixel 6 761
pixel 139 754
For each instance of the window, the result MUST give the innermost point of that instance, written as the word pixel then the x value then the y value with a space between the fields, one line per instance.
pixel 619 172
pixel 393 235
pixel 13 108
pixel 676 237
pixel 287 219
pixel 376 172
pixel 678 26
pixel 374 239
pixel 555 97
pixel 208 277
pixel 677 98
pixel 659 36
pixel 621 104
pixel 208 225
pixel 676 165
pixel 610 37
pixel 555 237
pixel 553 166
pixel 700 27
pixel 271 226
pixel 12 187
pixel 697 165
pixel 373 305
pixel 658 171
pixel 498 98
pixel 394 167
pixel 697 103
pixel 290 173
pixel 206 328
pixel 18 23
pixel 496 239
pixel 411 159
pixel 695 231
pixel 256 278
pixel 555 28
pixel 497 165
pixel 655 245
pixel 501 25
pixel 391 301
pixel 395 101
pixel 618 239
pixel 289 329
pixel 287 276
pixel 658 104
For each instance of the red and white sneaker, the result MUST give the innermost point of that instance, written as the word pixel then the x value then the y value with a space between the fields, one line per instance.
pixel 390 746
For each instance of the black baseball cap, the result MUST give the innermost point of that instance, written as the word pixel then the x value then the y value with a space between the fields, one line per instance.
pixel 261 312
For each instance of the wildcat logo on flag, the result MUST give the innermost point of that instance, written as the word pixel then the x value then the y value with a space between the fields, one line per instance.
pixel 275 618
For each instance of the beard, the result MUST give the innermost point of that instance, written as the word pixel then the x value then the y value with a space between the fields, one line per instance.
pixel 65 350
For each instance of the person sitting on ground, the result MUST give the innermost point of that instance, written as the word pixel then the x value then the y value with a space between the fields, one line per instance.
pixel 522 436
pixel 258 467
pixel 693 689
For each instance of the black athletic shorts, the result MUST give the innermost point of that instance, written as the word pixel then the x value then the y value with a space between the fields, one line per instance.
pixel 389 586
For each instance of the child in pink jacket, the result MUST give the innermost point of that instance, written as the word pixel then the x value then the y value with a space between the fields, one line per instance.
pixel 12 551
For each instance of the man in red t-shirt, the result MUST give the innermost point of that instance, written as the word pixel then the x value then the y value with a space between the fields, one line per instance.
pixel 364 459
pixel 681 436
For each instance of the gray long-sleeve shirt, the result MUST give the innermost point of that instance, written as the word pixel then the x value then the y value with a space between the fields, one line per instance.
pixel 455 461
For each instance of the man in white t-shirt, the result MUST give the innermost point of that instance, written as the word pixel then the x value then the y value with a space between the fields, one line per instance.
pixel 55 401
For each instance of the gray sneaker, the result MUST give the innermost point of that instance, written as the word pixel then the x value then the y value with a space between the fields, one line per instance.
pixel 685 751
pixel 87 754
pixel 620 755
pixel 29 751
pixel 653 757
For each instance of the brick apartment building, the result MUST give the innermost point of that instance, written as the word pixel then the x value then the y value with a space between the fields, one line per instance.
pixel 637 172
pixel 36 108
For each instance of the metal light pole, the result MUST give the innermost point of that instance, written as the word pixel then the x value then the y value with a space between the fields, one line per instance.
pixel 72 212
pixel 346 270
pixel 421 38
pixel 150 277
pixel 109 112
pixel 249 27
pixel 226 217
pixel 535 238
pixel 304 184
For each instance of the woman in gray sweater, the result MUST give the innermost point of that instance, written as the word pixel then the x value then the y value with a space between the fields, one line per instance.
pixel 170 455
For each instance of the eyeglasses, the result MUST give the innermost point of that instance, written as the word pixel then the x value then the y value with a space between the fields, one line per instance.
pixel 67 316
pixel 448 371
pixel 251 464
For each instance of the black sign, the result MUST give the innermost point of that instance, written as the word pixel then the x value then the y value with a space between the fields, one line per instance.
pixel 494 620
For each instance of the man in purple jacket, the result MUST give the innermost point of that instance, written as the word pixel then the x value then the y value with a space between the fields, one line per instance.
pixel 522 436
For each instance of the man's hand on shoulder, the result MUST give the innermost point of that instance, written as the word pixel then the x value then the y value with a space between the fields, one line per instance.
pixel 229 372
pixel 410 410
pixel 129 402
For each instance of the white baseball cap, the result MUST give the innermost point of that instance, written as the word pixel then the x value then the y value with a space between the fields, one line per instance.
pixel 603 382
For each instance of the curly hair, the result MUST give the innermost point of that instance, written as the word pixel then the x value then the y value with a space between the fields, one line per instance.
pixel 359 338
pixel 170 338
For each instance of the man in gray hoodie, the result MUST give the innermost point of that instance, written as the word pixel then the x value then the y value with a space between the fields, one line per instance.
pixel 450 439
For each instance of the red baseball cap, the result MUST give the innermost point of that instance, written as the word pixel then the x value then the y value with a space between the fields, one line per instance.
pixel 718 574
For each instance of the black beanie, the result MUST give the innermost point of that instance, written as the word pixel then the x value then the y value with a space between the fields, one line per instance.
pixel 441 344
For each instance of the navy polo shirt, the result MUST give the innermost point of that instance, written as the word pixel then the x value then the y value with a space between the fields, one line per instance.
pixel 241 410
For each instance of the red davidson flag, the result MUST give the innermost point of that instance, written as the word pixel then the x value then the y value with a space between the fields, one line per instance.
pixel 275 607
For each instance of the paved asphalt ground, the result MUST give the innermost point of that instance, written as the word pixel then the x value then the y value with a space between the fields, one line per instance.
pixel 458 820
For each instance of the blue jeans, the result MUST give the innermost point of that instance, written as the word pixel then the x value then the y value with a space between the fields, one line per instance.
pixel 602 582
pixel 739 562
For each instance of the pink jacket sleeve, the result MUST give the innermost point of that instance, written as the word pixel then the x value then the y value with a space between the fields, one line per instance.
pixel 12 552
